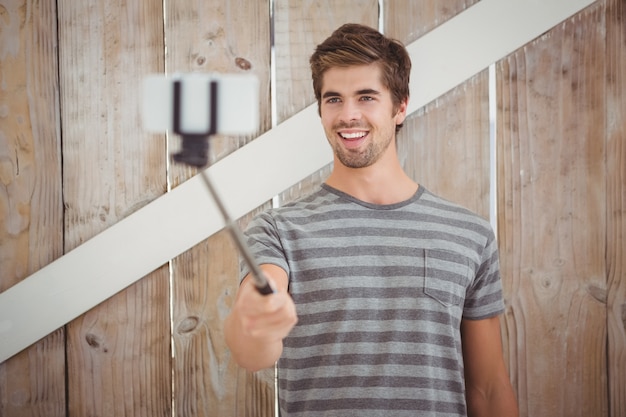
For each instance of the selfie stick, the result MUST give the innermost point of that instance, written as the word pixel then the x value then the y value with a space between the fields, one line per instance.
pixel 195 148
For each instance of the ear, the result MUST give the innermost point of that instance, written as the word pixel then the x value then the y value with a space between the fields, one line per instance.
pixel 401 113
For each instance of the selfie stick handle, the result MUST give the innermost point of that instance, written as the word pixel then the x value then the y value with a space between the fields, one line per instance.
pixel 195 152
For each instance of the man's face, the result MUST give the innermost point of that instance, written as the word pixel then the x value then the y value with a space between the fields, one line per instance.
pixel 357 114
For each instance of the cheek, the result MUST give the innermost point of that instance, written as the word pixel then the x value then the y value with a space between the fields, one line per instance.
pixel 327 119
pixel 327 126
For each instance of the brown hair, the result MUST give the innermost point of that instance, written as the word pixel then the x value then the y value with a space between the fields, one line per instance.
pixel 355 44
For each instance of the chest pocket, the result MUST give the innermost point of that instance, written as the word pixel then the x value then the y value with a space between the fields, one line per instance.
pixel 447 275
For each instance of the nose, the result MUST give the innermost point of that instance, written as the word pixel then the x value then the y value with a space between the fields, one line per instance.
pixel 349 111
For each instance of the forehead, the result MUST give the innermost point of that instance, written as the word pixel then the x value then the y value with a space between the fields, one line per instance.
pixel 347 80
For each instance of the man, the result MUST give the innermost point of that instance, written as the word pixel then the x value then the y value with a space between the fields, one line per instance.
pixel 387 297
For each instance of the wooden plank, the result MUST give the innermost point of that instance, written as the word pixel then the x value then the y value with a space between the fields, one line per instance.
pixel 32 383
pixel 616 203
pixel 409 20
pixel 444 146
pixel 471 31
pixel 101 266
pixel 207 382
pixel 299 28
pixel 118 353
pixel 552 218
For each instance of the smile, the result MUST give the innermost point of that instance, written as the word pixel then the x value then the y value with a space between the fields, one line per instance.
pixel 352 135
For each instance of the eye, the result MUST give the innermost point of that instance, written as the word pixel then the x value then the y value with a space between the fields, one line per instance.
pixel 333 100
pixel 366 98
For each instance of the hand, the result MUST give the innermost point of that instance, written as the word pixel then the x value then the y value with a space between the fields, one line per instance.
pixel 267 318
pixel 257 324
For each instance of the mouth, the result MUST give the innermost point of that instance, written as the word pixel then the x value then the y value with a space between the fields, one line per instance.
pixel 353 138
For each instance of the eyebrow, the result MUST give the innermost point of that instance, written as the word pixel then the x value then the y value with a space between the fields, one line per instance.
pixel 365 91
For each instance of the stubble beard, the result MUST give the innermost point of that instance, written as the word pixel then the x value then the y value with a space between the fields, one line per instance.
pixel 362 158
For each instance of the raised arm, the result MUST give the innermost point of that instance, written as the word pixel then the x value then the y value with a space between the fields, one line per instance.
pixel 256 326
pixel 488 388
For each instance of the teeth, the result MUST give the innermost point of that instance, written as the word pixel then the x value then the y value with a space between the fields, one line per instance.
pixel 355 135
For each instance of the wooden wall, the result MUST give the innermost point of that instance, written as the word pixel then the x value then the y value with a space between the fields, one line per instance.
pixel 31 193
pixel 74 160
pixel 553 205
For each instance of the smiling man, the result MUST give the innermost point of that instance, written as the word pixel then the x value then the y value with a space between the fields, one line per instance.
pixel 387 296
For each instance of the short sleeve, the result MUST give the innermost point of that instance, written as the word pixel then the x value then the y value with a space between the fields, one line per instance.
pixel 484 297
pixel 263 240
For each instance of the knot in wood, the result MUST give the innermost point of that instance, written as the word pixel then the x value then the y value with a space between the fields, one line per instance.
pixel 94 341
pixel 598 293
pixel 188 324
pixel 243 63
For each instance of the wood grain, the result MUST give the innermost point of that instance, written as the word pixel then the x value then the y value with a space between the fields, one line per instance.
pixel 552 217
pixel 409 20
pixel 616 203
pixel 445 145
pixel 215 36
pixel 32 383
pixel 119 352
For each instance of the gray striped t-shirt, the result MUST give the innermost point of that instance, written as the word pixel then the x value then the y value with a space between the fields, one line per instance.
pixel 380 291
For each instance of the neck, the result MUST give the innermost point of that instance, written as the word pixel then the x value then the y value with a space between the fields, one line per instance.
pixel 380 183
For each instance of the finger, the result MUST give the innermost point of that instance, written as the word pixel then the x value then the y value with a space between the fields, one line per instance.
pixel 272 327
pixel 252 302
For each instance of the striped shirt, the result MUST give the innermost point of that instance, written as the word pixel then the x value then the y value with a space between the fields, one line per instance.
pixel 380 291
